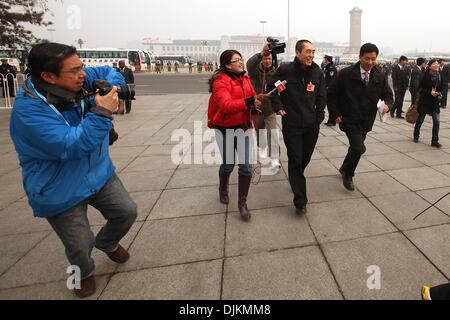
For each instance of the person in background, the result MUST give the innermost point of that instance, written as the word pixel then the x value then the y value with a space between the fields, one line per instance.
pixel 429 100
pixel 229 113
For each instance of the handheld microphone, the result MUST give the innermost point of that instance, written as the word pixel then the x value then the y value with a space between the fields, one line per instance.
pixel 279 86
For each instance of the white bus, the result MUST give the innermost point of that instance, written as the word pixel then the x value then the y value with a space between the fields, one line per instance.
pixel 134 59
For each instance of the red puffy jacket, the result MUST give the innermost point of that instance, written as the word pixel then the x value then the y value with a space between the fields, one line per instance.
pixel 227 106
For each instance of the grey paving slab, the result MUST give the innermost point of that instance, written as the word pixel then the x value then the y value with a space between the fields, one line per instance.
pixel 434 242
pixel 433 195
pixel 402 268
pixel 152 163
pixel 333 152
pixel 393 161
pixel 407 146
pixel 445 169
pixel 146 181
pixel 11 188
pixel 129 152
pixel 431 157
pixel 176 241
pixel 18 218
pixel 296 274
pixel 389 137
pixel 162 150
pixel 188 202
pixel 50 291
pixel 346 219
pixel 264 195
pixel 14 247
pixel 420 178
pixel 194 281
pixel 270 229
pixel 328 142
pixel 402 208
pixel 377 183
pixel 378 149
pixel 325 189
pixel 47 262
pixel 363 166
pixel 320 168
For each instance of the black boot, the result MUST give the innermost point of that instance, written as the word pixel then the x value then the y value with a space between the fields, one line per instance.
pixel 244 186
pixel 224 180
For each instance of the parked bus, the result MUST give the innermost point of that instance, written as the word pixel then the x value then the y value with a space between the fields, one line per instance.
pixel 134 59
pixel 182 60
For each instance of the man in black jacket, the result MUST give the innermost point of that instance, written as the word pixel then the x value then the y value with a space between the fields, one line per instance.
pixel 260 69
pixel 353 101
pixel 129 79
pixel 302 107
pixel 445 74
pixel 400 80
pixel 330 72
pixel 416 77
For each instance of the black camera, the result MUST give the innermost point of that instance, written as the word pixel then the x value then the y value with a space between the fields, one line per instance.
pixel 275 47
pixel 125 92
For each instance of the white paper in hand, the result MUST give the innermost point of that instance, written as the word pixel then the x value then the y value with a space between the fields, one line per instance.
pixel 380 107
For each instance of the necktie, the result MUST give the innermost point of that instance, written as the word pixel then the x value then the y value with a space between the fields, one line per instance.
pixel 366 78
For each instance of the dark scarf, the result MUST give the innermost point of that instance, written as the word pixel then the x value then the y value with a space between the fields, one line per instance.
pixel 61 98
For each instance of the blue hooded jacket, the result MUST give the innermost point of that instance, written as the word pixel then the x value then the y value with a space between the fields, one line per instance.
pixel 62 165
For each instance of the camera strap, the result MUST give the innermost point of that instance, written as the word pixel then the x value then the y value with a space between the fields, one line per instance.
pixel 54 108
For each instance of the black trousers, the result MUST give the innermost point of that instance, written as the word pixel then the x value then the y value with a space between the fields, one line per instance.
pixel 398 104
pixel 300 144
pixel 355 151
pixel 444 95
pixel 413 96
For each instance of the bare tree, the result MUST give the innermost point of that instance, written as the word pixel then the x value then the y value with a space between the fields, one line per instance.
pixel 13 15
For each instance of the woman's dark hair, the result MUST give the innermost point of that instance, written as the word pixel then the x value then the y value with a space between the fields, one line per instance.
pixel 432 61
pixel 368 48
pixel 48 57
pixel 225 58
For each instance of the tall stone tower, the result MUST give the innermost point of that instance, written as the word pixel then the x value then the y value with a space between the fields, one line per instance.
pixel 355 30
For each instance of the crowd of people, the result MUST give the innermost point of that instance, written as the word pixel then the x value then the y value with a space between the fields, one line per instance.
pixel 62 133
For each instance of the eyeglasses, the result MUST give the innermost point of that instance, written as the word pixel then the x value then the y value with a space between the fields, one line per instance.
pixel 239 61
pixel 75 71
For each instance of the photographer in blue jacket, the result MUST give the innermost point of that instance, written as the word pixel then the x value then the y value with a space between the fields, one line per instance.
pixel 61 129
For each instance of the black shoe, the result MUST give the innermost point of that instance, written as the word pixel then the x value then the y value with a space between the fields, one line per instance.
pixel 347 181
pixel 436 145
pixel 416 140
pixel 400 117
pixel 330 124
pixel 302 210
pixel 392 115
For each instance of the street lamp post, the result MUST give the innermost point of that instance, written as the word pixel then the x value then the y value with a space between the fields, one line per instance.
pixel 289 30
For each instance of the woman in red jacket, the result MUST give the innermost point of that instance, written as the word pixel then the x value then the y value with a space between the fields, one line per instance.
pixel 232 101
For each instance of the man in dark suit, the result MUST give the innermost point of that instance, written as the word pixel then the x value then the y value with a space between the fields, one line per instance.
pixel 416 77
pixel 400 79
pixel 445 75
pixel 129 79
pixel 353 101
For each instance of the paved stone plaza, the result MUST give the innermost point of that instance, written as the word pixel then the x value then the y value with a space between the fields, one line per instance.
pixel 186 245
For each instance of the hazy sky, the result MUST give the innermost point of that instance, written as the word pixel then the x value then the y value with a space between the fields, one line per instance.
pixel 401 25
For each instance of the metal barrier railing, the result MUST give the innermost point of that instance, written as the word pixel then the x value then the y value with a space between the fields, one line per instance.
pixel 16 81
